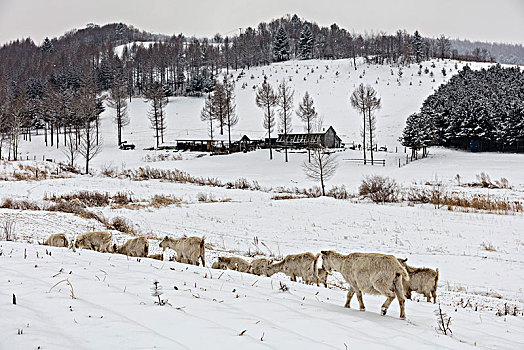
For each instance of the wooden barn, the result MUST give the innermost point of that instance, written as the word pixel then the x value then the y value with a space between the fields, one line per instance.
pixel 327 138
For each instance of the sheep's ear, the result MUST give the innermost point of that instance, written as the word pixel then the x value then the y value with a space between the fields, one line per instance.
pixel 404 260
pixel 323 252
pixel 166 237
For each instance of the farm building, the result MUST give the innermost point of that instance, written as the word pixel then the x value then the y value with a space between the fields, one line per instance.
pixel 326 138
pixel 220 145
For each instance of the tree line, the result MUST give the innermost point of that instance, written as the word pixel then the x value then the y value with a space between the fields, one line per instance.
pixel 481 110
pixel 42 87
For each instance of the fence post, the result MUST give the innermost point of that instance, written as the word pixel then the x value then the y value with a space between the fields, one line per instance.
pixel 399 162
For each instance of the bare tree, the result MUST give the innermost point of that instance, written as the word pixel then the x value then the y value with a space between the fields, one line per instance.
pixel 231 116
pixel 207 115
pixel 118 101
pixel 357 100
pixel 266 99
pixel 155 94
pixel 86 106
pixel 220 105
pixel 70 148
pixel 17 117
pixel 321 167
pixel 89 146
pixel 365 100
pixel 285 105
pixel 373 103
pixel 307 112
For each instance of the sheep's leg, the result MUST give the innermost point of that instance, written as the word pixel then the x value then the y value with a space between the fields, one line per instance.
pixel 293 278
pixel 428 297
pixel 385 306
pixel 360 301
pixel 384 290
pixel 349 296
pixel 399 292
pixel 434 293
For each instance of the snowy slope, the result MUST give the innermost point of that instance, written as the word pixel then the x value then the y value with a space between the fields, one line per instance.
pixel 208 309
pixel 480 256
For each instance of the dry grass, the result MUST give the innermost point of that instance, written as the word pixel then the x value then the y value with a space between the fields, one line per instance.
pixel 463 201
pixel 159 201
pixel 122 224
pixel 484 181
pixel 9 203
pixel 280 197
pixel 210 198
pixel 488 247
pixel 29 172
pixel 162 157
pixel 92 199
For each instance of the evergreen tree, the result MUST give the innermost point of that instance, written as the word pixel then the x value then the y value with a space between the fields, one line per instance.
pixel 306 43
pixel 417 47
pixel 47 45
pixel 281 46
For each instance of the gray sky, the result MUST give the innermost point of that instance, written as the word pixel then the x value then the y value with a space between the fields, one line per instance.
pixel 485 20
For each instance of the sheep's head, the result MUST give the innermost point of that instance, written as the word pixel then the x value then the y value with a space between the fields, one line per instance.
pixel 274 268
pixel 78 241
pixel 327 260
pixel 403 261
pixel 165 243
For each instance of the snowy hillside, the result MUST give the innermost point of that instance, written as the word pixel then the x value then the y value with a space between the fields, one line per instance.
pixel 480 255
pixel 331 95
pixel 113 307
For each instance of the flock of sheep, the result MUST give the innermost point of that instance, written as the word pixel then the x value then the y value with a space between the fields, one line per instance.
pixel 371 273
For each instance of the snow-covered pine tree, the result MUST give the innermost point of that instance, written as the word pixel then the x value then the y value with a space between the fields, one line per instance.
pixel 417 47
pixel 306 43
pixel 411 135
pixel 47 45
pixel 281 46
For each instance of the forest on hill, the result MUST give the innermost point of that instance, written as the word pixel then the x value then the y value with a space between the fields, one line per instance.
pixel 57 86
pixel 480 110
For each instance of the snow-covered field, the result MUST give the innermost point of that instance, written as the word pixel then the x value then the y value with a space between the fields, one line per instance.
pixel 480 256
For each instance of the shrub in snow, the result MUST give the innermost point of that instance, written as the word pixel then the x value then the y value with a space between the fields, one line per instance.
pixel 443 321
pixel 379 189
pixel 156 292
pixel 8 230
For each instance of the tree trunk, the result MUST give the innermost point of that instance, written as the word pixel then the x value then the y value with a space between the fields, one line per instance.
pixel 364 137
pixel 308 140
pixel 370 136
pixel 229 134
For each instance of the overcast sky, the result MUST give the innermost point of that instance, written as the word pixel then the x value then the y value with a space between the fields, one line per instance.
pixel 484 20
